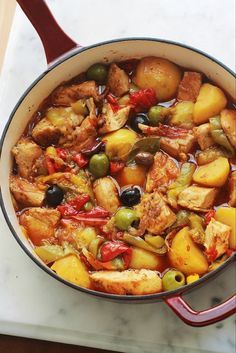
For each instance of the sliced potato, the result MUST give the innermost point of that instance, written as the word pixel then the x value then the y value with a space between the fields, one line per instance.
pixel 227 215
pixel 210 101
pixel 213 174
pixel 141 258
pixel 160 74
pixel 185 256
pixel 73 270
pixel 136 282
pixel 119 143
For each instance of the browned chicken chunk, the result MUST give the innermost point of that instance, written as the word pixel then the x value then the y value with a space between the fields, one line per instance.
pixel 26 152
pixel 65 95
pixel 163 171
pixel 189 87
pixel 203 135
pixel 40 223
pixel 106 194
pixel 179 146
pixel 197 198
pixel 26 193
pixel 217 237
pixel 117 81
pixel 112 121
pixel 155 215
pixel 45 133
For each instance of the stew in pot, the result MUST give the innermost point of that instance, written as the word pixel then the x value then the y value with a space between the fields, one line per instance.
pixel 124 181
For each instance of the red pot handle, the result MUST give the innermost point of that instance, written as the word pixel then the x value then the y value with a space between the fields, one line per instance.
pixel 55 41
pixel 205 317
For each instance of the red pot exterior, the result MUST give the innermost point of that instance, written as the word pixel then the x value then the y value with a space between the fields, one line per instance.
pixel 56 43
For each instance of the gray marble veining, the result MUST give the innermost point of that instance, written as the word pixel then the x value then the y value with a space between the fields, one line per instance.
pixel 34 305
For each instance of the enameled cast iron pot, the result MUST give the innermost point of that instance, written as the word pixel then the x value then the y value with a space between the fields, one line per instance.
pixel 65 60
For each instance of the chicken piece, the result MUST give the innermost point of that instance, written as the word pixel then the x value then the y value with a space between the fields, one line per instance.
pixel 117 81
pixel 178 147
pixel 112 121
pixel 26 193
pixel 135 282
pixel 40 223
pixel 216 239
pixel 232 189
pixel 189 87
pixel 203 136
pixel 162 172
pixel 228 123
pixel 197 198
pixel 155 215
pixel 45 133
pixel 65 95
pixel 106 194
pixel 86 133
pixel 26 152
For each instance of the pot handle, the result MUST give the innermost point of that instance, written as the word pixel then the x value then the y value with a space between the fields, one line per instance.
pixel 201 318
pixel 55 41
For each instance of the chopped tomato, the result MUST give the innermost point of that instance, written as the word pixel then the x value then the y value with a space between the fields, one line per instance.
pixel 115 167
pixel 143 99
pixel 211 253
pixel 73 207
pixel 62 153
pixel 209 215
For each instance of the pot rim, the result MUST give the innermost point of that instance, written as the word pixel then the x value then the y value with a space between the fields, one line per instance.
pixel 115 297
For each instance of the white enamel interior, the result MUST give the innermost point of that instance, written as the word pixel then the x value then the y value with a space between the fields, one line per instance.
pixel 107 52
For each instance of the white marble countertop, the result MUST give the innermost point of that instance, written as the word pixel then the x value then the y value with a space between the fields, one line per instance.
pixel 32 304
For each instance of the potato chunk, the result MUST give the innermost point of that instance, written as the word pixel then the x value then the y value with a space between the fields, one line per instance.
pixel 40 223
pixel 117 80
pixel 197 198
pixel 162 172
pixel 73 270
pixel 189 86
pixel 26 193
pixel 213 174
pixel 119 143
pixel 210 101
pixel 141 258
pixel 228 122
pixel 203 135
pixel 136 282
pixel 217 238
pixel 155 215
pixel 160 74
pixel 185 256
pixel 26 152
pixel 106 194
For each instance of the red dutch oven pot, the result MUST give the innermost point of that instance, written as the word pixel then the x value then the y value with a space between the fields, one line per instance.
pixel 65 60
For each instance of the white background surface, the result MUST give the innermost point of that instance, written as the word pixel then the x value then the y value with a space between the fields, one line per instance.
pixel 31 303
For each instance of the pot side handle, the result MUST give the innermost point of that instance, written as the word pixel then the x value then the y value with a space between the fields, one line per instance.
pixel 201 318
pixel 55 41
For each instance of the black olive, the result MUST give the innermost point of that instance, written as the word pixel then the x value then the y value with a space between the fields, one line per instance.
pixel 130 196
pixel 139 119
pixel 54 195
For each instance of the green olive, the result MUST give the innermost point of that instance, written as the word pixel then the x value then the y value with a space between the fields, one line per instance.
pixel 172 280
pixel 97 72
pixel 124 218
pixel 99 165
pixel 156 114
pixel 88 206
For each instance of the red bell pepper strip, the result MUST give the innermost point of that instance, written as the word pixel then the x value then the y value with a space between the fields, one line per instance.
pixel 111 249
pixel 62 153
pixel 116 167
pixel 93 222
pixel 127 257
pixel 72 207
pixel 143 99
pixel 79 201
pixel 50 164
pixel 209 215
pixel 96 212
pixel 113 102
pixel 166 131
pixel 96 264
pixel 80 160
